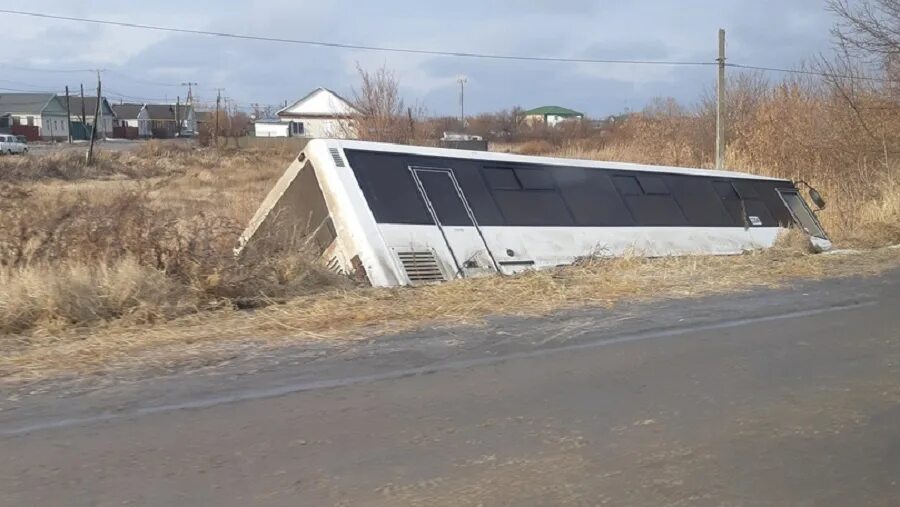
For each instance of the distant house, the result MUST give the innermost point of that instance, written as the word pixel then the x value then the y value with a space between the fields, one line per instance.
pixel 321 113
pixel 37 116
pixel 171 120
pixel 550 115
pixel 131 118
pixel 204 118
pixel 275 127
pixel 107 116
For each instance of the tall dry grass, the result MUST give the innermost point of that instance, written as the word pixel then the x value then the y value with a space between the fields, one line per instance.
pixel 143 236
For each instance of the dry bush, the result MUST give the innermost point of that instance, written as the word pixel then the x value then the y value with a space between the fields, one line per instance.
pixel 67 165
pixel 65 294
pixel 177 232
pixel 794 241
pixel 380 111
pixel 535 147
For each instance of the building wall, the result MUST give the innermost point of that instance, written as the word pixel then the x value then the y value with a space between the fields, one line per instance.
pixel 105 127
pixel 144 126
pixel 325 127
pixel 50 126
pixel 551 120
pixel 271 129
pixel 532 119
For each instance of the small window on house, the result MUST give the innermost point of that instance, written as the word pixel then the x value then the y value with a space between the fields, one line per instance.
pixel 627 185
pixel 30 121
pixel 297 127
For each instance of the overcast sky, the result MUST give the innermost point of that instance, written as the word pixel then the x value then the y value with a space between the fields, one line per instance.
pixel 150 65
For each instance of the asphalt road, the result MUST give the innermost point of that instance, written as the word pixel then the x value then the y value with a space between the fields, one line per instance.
pixel 787 397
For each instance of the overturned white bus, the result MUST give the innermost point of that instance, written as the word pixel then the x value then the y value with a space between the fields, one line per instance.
pixel 398 215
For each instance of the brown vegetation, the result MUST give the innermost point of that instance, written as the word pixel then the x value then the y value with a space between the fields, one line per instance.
pixel 145 236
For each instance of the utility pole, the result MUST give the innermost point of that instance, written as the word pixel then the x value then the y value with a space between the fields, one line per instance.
pixel 218 102
pixel 177 123
pixel 98 118
pixel 190 96
pixel 68 116
pixel 89 159
pixel 462 100
pixel 83 116
pixel 720 104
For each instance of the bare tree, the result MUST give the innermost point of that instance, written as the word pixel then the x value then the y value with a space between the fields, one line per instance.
pixel 868 42
pixel 871 27
pixel 381 114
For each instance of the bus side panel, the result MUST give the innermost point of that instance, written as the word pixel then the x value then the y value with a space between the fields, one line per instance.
pixel 364 251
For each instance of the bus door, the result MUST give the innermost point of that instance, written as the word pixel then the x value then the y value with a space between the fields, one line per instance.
pixel 454 218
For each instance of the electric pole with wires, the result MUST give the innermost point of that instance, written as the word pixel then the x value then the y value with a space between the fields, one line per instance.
pixel 218 104
pixel 89 157
pixel 189 101
pixel 68 116
pixel 462 80
pixel 720 104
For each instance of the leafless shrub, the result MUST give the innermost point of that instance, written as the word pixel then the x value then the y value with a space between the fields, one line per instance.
pixel 380 112
pixel 871 27
pixel 75 252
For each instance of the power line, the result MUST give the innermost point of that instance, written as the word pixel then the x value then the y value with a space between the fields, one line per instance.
pixel 808 73
pixel 57 71
pixel 387 49
pixel 19 83
pixel 113 93
pixel 25 91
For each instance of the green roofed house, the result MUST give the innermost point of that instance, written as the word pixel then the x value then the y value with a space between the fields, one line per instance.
pixel 551 115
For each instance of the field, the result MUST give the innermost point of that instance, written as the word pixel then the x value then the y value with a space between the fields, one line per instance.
pixel 129 262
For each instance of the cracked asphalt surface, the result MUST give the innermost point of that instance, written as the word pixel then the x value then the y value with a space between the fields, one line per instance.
pixel 787 397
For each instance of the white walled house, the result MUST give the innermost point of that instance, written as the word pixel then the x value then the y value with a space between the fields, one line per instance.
pixel 35 115
pixel 551 115
pixel 133 116
pixel 321 113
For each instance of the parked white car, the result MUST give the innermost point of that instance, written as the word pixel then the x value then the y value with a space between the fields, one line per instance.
pixel 10 144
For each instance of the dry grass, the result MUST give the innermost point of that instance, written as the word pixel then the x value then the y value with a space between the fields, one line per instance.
pixel 363 313
pixel 141 237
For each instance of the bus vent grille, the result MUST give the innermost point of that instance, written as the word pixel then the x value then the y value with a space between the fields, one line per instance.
pixel 336 155
pixel 334 265
pixel 421 266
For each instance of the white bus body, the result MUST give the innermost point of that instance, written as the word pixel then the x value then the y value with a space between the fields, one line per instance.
pixel 400 215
